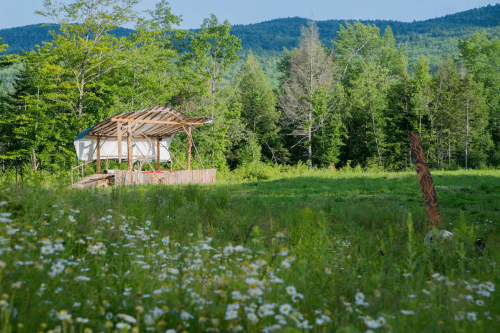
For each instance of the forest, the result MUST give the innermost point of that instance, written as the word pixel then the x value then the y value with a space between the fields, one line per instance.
pixel 329 94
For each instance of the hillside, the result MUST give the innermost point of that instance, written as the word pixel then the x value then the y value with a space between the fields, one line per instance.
pixel 434 38
pixel 284 32
pixel 28 36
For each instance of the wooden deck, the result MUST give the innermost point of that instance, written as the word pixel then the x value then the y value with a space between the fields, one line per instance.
pixel 207 176
pixel 96 180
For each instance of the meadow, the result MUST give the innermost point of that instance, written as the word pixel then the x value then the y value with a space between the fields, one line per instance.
pixel 315 251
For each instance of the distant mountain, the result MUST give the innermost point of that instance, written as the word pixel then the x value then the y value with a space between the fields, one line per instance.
pixel 284 32
pixel 28 36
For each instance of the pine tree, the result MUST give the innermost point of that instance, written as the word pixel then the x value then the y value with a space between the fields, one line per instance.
pixel 258 108
pixel 444 119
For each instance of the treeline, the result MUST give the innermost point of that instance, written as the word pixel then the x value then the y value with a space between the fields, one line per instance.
pixel 346 104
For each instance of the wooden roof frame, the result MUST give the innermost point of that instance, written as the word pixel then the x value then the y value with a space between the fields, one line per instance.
pixel 155 122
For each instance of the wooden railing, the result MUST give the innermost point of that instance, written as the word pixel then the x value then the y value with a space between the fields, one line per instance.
pixel 77 167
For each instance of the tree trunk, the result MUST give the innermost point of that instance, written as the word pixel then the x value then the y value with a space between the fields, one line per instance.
pixel 309 130
pixel 375 132
pixel 189 148
pixel 35 164
pixel 213 107
pixel 466 130
pixel 80 96
pixel 309 135
pixel 449 149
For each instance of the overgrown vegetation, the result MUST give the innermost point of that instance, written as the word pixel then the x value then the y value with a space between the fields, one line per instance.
pixel 320 104
pixel 317 251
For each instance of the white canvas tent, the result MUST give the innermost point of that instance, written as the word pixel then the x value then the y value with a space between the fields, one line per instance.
pixel 142 149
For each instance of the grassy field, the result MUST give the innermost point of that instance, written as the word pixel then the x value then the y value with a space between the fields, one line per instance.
pixel 321 251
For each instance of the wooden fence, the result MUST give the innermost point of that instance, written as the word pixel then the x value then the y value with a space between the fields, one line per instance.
pixel 123 177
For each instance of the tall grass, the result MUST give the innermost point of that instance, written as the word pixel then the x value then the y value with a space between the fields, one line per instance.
pixel 318 251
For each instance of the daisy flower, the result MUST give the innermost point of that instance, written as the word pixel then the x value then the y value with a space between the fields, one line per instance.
pixel 291 290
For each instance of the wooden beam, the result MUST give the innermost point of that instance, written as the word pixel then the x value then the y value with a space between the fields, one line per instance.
pixel 115 137
pixel 189 147
pixel 98 160
pixel 158 163
pixel 124 120
pixel 119 132
pixel 129 151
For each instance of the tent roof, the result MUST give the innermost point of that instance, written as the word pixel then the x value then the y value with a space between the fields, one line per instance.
pixel 157 121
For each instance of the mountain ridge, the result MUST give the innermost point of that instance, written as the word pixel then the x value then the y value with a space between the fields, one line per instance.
pixel 273 35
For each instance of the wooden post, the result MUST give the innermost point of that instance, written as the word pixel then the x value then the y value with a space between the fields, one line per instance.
pixel 98 157
pixel 129 151
pixel 158 163
pixel 119 132
pixel 425 179
pixel 189 148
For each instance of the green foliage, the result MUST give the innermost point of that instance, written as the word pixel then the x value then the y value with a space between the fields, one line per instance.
pixel 355 104
pixel 258 112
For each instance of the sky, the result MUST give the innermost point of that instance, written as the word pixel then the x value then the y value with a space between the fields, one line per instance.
pixel 15 13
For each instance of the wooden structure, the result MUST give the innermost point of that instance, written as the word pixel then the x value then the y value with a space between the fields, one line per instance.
pixel 142 136
pixel 122 177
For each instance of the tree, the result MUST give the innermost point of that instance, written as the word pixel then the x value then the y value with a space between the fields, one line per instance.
pixel 33 129
pixel 3 46
pixel 84 50
pixel 214 50
pixel 369 93
pixel 443 116
pixel 473 116
pixel 151 70
pixel 327 107
pixel 374 76
pixel 482 58
pixel 309 69
pixel 258 108
pixel 357 45
pixel 421 93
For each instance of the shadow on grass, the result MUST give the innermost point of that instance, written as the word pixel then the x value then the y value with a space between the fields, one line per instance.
pixel 373 201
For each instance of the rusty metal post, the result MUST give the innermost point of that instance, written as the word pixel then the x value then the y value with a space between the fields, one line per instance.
pixel 425 179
